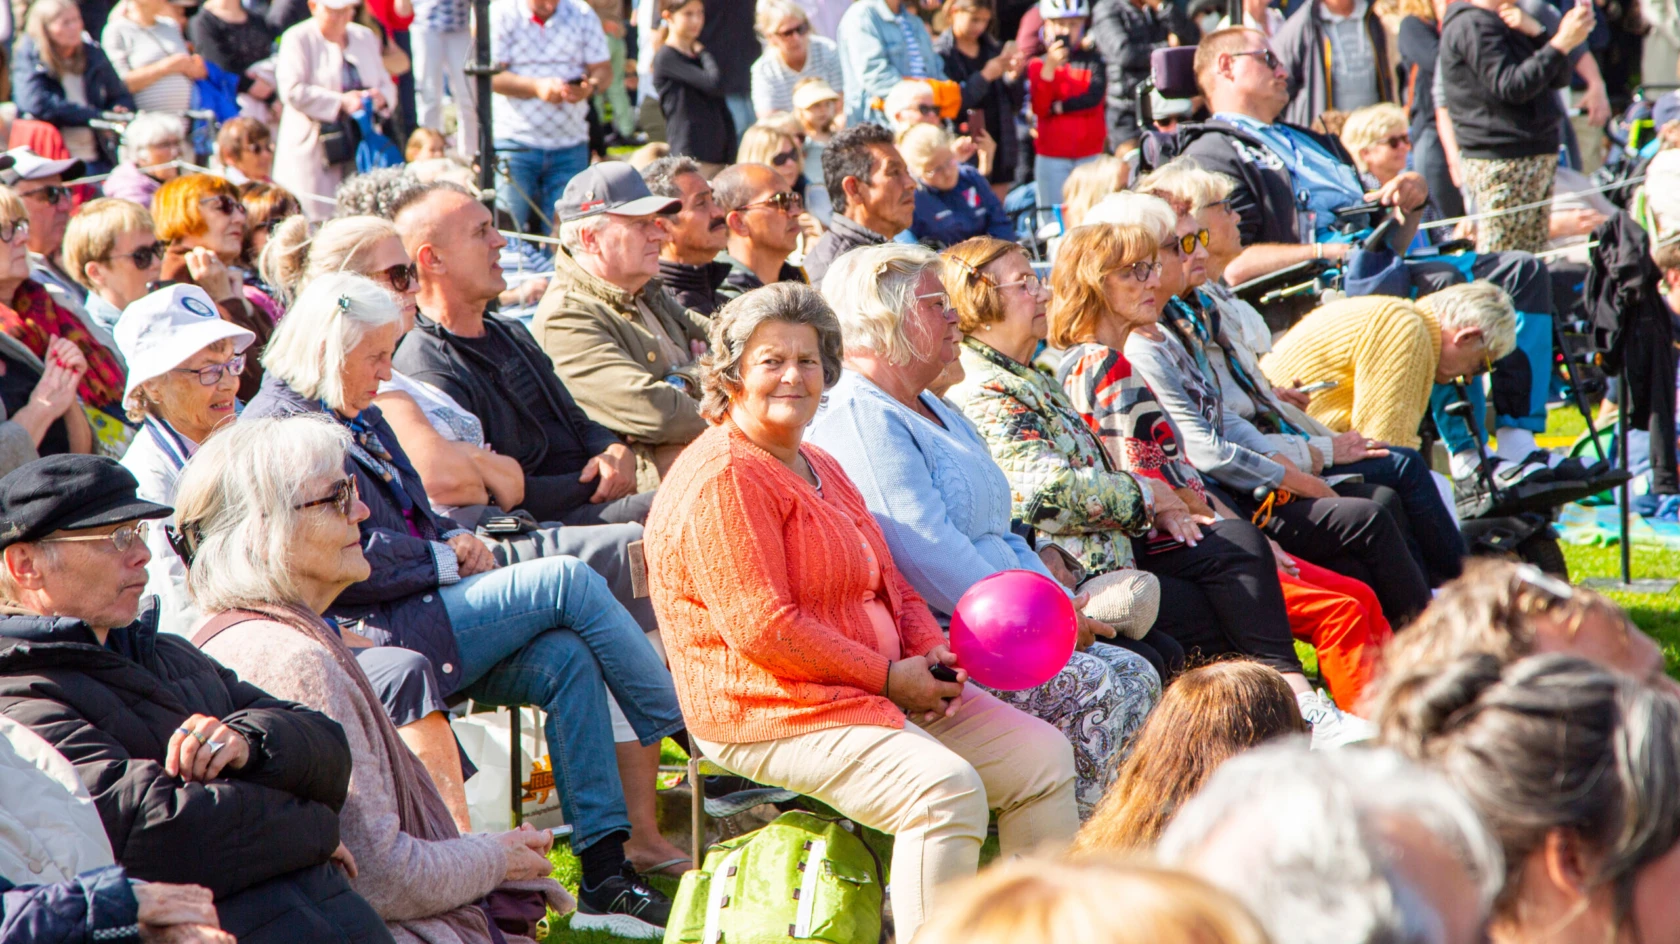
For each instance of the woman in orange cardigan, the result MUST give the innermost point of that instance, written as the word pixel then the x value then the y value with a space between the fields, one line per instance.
pixel 797 647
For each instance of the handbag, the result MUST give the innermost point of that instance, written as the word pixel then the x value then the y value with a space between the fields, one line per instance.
pixel 339 139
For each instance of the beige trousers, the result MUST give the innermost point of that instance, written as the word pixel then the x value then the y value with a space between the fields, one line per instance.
pixel 930 788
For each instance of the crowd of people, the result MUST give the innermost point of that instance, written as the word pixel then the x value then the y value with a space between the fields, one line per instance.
pixel 706 438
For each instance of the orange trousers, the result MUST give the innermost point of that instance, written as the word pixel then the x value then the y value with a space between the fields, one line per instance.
pixel 1341 618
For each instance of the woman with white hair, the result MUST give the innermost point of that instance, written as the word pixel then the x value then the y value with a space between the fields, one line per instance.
pixel 545 632
pixel 268 519
pixel 151 144
pixel 792 51
pixel 942 501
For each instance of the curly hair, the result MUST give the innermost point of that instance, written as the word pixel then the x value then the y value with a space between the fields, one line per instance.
pixel 734 324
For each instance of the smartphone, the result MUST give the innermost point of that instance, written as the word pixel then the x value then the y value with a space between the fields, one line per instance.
pixel 943 672
pixel 560 832
pixel 975 122
pixel 1319 387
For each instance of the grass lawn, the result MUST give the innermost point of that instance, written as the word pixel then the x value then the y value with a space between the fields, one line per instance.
pixel 1657 614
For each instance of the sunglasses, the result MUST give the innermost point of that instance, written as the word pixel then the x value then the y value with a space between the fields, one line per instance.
pixel 1397 140
pixel 784 158
pixel 793 31
pixel 51 193
pixel 343 498
pixel 11 231
pixel 1187 243
pixel 1270 58
pixel 224 204
pixel 1142 270
pixel 402 277
pixel 144 256
pixel 212 374
pixel 123 539
pixel 928 110
pixel 786 201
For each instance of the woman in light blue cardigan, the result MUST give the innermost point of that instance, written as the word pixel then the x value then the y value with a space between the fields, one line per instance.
pixel 942 501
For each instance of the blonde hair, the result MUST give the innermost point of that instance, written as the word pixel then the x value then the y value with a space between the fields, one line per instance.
pixel 1481 305
pixel 1087 255
pixel 1089 184
pixel 1091 902
pixel 293 259
pixel 1369 125
pixel 92 234
pixel 917 143
pixel 1129 208
pixel 761 143
pixel 770 12
pixel 1183 181
pixel 41 13
pixel 11 206
pixel 973 294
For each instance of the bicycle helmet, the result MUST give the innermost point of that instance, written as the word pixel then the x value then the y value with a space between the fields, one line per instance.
pixel 1063 9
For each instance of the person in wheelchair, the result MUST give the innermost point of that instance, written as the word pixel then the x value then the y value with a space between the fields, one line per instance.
pixel 1296 195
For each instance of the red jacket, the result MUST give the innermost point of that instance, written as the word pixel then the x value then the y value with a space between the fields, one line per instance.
pixel 1069 107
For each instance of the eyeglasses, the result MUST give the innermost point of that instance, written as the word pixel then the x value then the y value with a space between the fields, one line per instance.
pixel 123 539
pixel 1271 59
pixel 51 193
pixel 942 299
pixel 1397 140
pixel 14 231
pixel 402 277
pixel 786 201
pixel 928 111
pixel 1031 284
pixel 1187 243
pixel 212 374
pixel 793 31
pixel 343 498
pixel 1142 270
pixel 224 204
pixel 144 256
pixel 784 158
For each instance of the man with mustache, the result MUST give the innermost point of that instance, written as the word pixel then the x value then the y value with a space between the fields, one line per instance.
pixel 688 262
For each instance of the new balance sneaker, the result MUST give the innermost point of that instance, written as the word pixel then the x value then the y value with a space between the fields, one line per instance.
pixel 1331 726
pixel 623 906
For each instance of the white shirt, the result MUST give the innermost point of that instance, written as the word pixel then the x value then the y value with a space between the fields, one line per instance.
pixel 562 48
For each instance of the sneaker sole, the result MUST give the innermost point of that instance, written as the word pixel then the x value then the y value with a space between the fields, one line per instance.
pixel 618 925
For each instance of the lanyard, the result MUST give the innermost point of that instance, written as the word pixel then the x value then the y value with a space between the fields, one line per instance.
pixel 173 444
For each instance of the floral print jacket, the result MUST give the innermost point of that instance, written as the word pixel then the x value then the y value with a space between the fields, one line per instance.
pixel 1060 480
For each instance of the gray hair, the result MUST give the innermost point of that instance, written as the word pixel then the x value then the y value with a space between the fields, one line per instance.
pixel 661 176
pixel 1184 180
pixel 871 289
pixel 1303 838
pixel 1130 208
pixel 901 96
pixel 1480 304
pixel 571 232
pixel 330 317
pixel 1549 742
pixel 235 505
pixel 734 324
pixel 148 129
pixel 771 12
pixel 375 193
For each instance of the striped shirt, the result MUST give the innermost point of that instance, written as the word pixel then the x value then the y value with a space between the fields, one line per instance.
pixel 911 26
pixel 773 81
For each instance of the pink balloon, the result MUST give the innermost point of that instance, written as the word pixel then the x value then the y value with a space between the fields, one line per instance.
pixel 1015 629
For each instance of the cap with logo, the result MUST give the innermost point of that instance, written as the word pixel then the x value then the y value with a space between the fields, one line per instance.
pixel 66 493
pixel 159 332
pixel 24 164
pixel 610 187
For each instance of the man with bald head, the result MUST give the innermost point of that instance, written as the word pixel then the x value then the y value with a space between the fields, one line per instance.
pixel 577 471
pixel 762 215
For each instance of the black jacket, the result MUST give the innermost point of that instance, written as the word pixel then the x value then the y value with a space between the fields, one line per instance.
pixel 552 489
pixel 742 279
pixel 235 47
pixel 1501 86
pixel 41 96
pixel 998 99
pixel 691 94
pixel 1420 46
pixel 1264 196
pixel 1126 34
pixel 696 286
pixel 843 236
pixel 111 710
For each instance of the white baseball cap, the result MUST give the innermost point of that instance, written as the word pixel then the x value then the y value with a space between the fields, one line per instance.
pixel 159 332
pixel 27 165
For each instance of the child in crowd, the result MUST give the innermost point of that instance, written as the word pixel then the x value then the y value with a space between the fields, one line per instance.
pixel 690 87
pixel 425 144
pixel 1067 85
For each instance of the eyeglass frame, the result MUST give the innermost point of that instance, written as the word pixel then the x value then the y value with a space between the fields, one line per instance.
pixel 54 193
pixel 1031 279
pixel 410 277
pixel 19 228
pixel 156 247
pixel 345 494
pixel 224 203
pixel 1272 61
pixel 1187 243
pixel 1141 270
pixel 136 529
pixel 789 197
pixel 211 374
pixel 803 29
pixel 1404 136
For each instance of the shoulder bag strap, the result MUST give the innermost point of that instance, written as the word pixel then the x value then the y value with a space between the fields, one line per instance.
pixel 221 622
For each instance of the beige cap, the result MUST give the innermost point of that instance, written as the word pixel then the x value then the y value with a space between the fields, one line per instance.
pixel 813 91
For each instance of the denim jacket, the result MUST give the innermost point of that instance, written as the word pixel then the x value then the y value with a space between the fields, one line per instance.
pixel 874 57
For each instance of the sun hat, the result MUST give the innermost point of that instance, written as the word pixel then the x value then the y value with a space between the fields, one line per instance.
pixel 159 332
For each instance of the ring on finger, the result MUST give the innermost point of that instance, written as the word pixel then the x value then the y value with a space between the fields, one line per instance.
pixel 184 731
pixel 216 746
pixel 201 738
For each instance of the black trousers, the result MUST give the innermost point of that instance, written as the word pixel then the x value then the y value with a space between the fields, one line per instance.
pixel 1162 651
pixel 1222 596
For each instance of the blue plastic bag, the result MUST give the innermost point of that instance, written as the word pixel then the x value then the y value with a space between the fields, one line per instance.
pixel 375 150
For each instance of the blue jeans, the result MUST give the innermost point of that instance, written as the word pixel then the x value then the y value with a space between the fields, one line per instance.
pixel 535 176
pixel 1431 536
pixel 549 633
pixel 741 112
pixel 1051 173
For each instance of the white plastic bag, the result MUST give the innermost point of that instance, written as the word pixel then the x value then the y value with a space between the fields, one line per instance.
pixel 485 738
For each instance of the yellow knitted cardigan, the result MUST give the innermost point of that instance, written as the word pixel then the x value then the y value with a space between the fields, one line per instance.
pixel 1382 352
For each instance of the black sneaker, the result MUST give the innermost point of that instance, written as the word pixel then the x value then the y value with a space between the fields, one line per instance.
pixel 623 906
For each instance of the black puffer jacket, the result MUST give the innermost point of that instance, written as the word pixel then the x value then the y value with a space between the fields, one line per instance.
pixel 253 836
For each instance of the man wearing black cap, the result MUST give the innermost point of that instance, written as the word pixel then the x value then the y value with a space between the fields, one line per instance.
pixel 199 778
pixel 625 347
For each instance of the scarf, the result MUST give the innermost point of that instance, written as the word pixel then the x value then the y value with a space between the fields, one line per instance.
pixel 1267 417
pixel 1197 327
pixel 35 319
pixel 370 450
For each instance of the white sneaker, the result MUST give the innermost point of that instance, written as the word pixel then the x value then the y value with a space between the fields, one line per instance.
pixel 1331 726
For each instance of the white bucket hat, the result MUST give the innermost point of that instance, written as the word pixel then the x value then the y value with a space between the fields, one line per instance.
pixel 159 332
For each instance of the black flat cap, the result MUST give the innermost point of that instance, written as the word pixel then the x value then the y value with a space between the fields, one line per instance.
pixel 64 493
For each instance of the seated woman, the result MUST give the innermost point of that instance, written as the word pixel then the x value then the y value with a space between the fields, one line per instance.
pixel 797 645
pixel 1208 715
pixel 271 522
pixel 953 200
pixel 545 632
pixel 1396 477
pixel 112 251
pixel 266 207
pixel 150 145
pixel 202 221
pixel 1221 589
pixel 1355 537
pixel 1572 767
pixel 60 78
pixel 245 151
pixel 30 318
pixel 942 502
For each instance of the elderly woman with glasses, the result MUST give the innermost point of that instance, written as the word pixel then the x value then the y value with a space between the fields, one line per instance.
pixel 150 143
pixel 42 414
pixel 270 522
pixel 201 219
pixel 953 200
pixel 543 632
pixel 802 653
pixel 111 249
pixel 943 503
